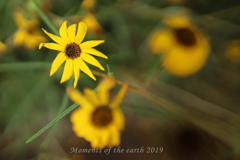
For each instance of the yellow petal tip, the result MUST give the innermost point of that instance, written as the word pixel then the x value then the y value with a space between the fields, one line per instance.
pixel 40 46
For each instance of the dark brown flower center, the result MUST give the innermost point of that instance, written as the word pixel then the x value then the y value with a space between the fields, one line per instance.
pixel 185 36
pixel 102 116
pixel 30 31
pixel 72 50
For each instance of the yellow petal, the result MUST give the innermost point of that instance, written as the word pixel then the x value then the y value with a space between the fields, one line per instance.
pixel 95 143
pixel 76 74
pixel 83 67
pixel 22 22
pixel 82 30
pixel 182 61
pixel 68 70
pixel 64 33
pixel 94 52
pixel 57 62
pixel 72 32
pixel 19 37
pixel 161 41
pixel 176 21
pixel 55 38
pixel 104 139
pixel 115 137
pixel 103 92
pixel 119 97
pixel 91 60
pixel 19 19
pixel 77 97
pixel 91 96
pixel 90 44
pixel 52 46
pixel 118 118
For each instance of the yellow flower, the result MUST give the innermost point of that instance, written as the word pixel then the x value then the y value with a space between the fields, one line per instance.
pixel 28 33
pixel 3 48
pixel 88 4
pixel 233 51
pixel 185 49
pixel 73 51
pixel 92 23
pixel 98 120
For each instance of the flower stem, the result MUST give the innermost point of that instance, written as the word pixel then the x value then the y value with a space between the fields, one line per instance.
pixel 45 18
pixel 154 77
pixel 54 121
pixel 63 106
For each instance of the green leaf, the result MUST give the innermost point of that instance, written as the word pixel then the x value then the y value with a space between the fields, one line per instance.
pixel 72 107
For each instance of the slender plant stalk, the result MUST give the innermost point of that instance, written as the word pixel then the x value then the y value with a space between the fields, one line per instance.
pixel 154 77
pixel 54 121
pixel 63 106
pixel 45 18
pixel 153 69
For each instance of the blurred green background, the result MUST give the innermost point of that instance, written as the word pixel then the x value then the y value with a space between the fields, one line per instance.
pixel 30 99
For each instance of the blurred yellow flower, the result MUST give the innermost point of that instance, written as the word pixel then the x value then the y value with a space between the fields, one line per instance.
pixel 233 51
pixel 28 33
pixel 185 49
pixel 88 4
pixel 98 120
pixel 92 23
pixel 3 47
pixel 73 51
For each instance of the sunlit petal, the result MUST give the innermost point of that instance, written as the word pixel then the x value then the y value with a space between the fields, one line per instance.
pixel 64 33
pixel 52 46
pixel 81 32
pixel 77 97
pixel 68 70
pixel 91 60
pixel 72 32
pixel 57 62
pixel 90 44
pixel 119 97
pixel 94 52
pixel 76 74
pixel 83 67
pixel 55 38
pixel 91 96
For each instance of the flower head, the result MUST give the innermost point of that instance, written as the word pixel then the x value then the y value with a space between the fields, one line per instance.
pixel 73 51
pixel 184 48
pixel 98 120
pixel 28 33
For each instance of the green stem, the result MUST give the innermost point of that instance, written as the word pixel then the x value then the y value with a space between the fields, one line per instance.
pixel 45 18
pixel 152 73
pixel 61 109
pixel 54 121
